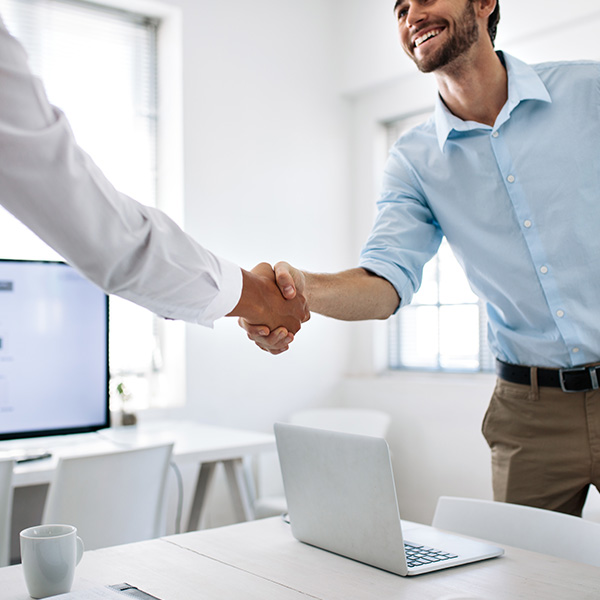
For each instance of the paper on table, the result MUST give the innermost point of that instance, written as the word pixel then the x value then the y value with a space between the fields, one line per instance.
pixel 114 592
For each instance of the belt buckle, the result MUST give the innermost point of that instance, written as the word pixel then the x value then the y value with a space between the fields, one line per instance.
pixel 592 372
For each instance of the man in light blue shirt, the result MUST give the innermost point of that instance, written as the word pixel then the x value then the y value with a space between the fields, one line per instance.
pixel 508 169
pixel 519 203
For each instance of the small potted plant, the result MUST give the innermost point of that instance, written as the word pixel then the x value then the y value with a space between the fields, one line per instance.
pixel 128 417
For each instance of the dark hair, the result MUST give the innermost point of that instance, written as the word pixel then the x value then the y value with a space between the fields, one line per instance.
pixel 493 21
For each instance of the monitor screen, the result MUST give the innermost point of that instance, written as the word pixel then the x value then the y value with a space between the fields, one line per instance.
pixel 53 351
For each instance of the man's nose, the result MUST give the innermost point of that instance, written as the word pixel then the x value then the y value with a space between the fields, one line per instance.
pixel 416 13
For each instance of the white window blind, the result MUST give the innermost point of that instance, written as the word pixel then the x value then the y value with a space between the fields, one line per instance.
pixel 445 326
pixel 99 65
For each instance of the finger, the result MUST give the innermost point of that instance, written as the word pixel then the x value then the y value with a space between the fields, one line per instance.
pixel 276 352
pixel 264 269
pixel 280 338
pixel 285 281
pixel 275 338
pixel 273 351
pixel 276 342
pixel 254 330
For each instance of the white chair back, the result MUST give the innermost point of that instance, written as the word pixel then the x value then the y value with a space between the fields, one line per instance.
pixel 525 527
pixel 6 499
pixel 113 498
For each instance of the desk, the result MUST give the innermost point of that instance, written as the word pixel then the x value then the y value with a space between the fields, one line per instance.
pixel 193 443
pixel 261 560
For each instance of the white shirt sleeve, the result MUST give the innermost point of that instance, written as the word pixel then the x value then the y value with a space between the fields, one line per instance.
pixel 51 185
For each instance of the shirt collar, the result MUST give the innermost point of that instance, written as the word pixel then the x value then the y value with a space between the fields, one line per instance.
pixel 523 84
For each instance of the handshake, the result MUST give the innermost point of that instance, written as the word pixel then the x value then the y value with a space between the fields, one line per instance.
pixel 275 301
pixel 272 307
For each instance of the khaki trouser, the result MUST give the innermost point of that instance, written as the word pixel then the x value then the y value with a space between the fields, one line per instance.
pixel 545 445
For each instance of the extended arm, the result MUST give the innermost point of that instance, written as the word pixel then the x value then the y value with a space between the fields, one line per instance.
pixel 52 186
pixel 352 295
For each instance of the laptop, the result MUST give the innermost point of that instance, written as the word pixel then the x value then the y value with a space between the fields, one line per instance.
pixel 341 497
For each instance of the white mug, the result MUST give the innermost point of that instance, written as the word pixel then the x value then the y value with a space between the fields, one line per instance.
pixel 49 554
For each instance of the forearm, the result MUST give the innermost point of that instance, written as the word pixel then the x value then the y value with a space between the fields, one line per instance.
pixel 352 295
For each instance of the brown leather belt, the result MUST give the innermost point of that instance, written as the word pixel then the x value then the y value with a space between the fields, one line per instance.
pixel 575 379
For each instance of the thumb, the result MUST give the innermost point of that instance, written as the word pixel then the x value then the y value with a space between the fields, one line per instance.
pixel 285 279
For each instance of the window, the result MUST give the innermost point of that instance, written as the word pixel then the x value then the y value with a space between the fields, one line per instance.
pixel 99 65
pixel 445 326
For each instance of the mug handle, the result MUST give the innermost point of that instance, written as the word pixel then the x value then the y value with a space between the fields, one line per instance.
pixel 80 549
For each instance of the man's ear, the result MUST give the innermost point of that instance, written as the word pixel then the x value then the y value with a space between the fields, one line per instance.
pixel 484 8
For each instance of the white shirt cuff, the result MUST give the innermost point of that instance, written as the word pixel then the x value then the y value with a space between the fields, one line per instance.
pixel 230 292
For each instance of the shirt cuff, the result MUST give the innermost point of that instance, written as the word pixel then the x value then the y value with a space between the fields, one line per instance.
pixel 229 294
pixel 394 275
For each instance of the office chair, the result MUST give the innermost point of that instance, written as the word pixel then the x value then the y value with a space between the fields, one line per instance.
pixel 6 500
pixel 535 529
pixel 269 497
pixel 113 498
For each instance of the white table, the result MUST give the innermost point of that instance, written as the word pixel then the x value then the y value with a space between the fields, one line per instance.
pixel 194 443
pixel 261 560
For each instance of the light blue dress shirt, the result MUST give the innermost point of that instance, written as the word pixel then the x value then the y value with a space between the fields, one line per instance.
pixel 519 203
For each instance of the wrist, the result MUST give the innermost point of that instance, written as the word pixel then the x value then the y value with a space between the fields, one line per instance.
pixel 319 292
pixel 249 306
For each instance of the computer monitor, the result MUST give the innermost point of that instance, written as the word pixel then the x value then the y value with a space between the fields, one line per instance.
pixel 54 371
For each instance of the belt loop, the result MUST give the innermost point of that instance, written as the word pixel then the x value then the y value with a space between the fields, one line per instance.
pixel 535 391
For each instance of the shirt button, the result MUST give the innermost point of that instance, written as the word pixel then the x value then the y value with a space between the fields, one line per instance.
pixel 575 350
pixel 560 314
pixel 544 270
pixel 511 179
pixel 527 223
pixel 495 134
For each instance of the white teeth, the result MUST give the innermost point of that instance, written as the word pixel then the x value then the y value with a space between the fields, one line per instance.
pixel 427 36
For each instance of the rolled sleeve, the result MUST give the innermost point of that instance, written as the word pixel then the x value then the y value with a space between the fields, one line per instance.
pixel 405 234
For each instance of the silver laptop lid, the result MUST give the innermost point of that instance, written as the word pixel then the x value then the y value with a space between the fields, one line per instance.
pixel 342 497
pixel 321 469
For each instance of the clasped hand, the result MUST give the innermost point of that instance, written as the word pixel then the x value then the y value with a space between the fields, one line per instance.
pixel 270 335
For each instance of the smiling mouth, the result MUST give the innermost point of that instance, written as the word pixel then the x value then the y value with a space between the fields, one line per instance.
pixel 426 36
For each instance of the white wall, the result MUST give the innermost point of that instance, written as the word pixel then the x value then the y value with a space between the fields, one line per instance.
pixel 265 179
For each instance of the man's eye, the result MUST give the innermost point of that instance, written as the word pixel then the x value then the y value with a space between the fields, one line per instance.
pixel 402 13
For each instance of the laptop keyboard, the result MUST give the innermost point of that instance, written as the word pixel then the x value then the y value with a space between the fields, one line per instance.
pixel 417 555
